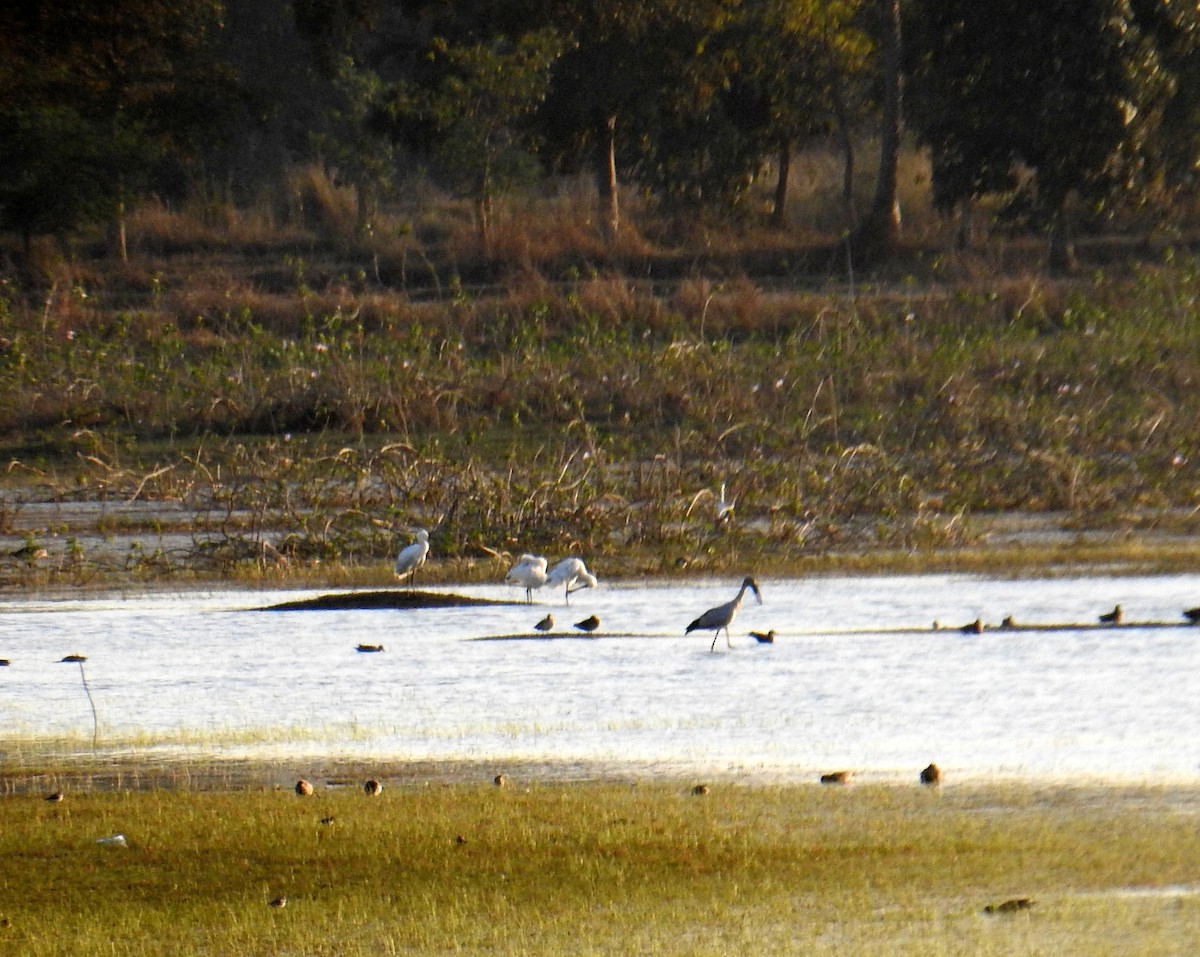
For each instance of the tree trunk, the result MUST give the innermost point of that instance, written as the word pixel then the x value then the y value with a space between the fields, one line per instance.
pixel 847 141
pixel 881 229
pixel 116 234
pixel 606 179
pixel 779 213
pixel 1062 249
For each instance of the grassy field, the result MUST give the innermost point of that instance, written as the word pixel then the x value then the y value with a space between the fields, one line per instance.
pixel 541 867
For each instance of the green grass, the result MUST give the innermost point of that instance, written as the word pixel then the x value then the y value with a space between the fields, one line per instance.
pixel 601 868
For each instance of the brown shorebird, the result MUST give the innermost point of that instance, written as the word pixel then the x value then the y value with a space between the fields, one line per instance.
pixel 974 628
pixel 373 788
pixel 73 659
pixel 1010 906
pixel 500 780
pixel 327 821
pixel 1113 617
pixel 722 616
pixel 369 649
pixel 1192 615
pixel 545 624
pixel 4 662
pixel 764 638
pixel 837 777
pixel 303 788
pixel 1008 622
pixel 278 902
pixel 700 790
pixel 55 798
pixel 589 624
pixel 931 775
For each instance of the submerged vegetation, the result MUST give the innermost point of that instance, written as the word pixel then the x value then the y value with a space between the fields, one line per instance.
pixel 597 869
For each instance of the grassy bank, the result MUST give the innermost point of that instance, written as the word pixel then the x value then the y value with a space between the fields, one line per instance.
pixel 289 406
pixel 601 868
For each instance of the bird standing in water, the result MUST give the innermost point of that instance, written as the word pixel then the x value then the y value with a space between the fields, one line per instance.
pixel 545 624
pixel 413 557
pixel 571 572
pixel 529 572
pixel 722 616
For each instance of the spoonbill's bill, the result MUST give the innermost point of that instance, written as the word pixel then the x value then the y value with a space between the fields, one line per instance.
pixel 413 557
pixel 722 616
pixel 529 572
pixel 573 575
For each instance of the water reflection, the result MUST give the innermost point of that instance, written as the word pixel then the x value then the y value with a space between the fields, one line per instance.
pixel 857 678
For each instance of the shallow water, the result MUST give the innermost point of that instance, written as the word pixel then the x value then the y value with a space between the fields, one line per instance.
pixel 858 678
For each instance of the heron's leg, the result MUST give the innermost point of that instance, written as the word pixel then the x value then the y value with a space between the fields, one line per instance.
pixel 716 635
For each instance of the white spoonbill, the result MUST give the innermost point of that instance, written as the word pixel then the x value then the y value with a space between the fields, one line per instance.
pixel 413 557
pixel 571 572
pixel 529 572
pixel 722 616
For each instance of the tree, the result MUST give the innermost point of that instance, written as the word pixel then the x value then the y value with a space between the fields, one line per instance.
pixel 880 229
pixel 95 96
pixel 796 61
pixel 1073 91
pixel 628 68
pixel 474 109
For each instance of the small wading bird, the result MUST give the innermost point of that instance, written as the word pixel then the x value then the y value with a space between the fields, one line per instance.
pixel 303 788
pixel 545 624
pixel 931 775
pixel 573 575
pixel 369 649
pixel 1192 615
pixel 413 557
pixel 722 616
pixel 764 638
pixel 529 572
pixel 589 624
pixel 372 788
pixel 1113 617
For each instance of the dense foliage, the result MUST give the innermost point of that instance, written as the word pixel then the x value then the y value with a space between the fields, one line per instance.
pixel 104 103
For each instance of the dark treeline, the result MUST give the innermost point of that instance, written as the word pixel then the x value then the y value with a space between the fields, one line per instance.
pixel 1038 110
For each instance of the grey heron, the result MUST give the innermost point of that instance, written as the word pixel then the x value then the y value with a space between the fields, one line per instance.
pixel 722 616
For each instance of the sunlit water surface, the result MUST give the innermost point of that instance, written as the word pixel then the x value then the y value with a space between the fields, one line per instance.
pixel 858 678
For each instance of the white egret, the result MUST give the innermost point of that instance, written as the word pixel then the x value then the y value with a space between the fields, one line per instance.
pixel 722 616
pixel 529 572
pixel 724 507
pixel 413 557
pixel 571 572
